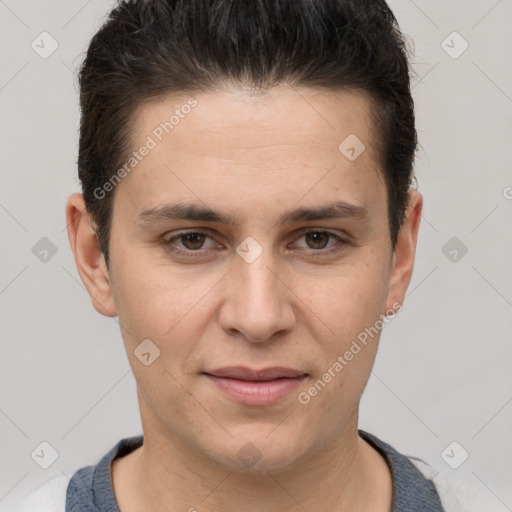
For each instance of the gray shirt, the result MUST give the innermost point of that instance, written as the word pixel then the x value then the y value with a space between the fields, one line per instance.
pixel 91 490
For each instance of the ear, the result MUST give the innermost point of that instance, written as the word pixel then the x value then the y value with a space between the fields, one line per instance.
pixel 89 259
pixel 404 253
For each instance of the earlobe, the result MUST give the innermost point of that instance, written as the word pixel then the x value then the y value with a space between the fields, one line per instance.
pixel 405 252
pixel 89 259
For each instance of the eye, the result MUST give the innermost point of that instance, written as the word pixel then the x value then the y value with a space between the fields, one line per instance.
pixel 200 243
pixel 191 241
pixel 318 240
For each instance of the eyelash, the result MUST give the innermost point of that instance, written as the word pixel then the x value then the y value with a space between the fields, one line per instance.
pixel 168 244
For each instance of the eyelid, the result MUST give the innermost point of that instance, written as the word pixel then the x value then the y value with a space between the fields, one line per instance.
pixel 341 241
pixel 312 229
pixel 186 231
pixel 176 235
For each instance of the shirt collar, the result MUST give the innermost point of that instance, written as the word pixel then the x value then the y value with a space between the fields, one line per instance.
pixel 91 487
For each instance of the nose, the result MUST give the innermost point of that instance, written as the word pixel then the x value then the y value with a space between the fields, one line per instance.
pixel 257 302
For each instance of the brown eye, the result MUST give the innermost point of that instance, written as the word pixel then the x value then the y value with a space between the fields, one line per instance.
pixel 318 243
pixel 193 241
pixel 317 239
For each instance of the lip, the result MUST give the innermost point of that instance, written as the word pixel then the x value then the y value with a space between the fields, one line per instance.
pixel 265 374
pixel 256 387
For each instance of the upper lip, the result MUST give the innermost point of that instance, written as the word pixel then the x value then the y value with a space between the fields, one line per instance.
pixel 243 373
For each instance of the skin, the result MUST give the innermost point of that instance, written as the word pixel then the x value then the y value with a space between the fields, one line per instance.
pixel 255 157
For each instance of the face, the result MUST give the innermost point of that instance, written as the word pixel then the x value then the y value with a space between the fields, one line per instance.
pixel 245 237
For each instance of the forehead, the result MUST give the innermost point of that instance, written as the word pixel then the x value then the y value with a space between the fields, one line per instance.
pixel 228 119
pixel 240 143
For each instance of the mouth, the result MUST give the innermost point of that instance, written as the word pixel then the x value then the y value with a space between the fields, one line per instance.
pixel 256 387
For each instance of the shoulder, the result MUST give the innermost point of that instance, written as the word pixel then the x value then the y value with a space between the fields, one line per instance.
pixel 457 494
pixel 417 485
pixel 89 483
pixel 48 497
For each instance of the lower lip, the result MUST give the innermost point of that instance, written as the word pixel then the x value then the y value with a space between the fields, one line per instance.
pixel 257 392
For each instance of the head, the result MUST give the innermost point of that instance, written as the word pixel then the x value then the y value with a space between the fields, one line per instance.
pixel 246 179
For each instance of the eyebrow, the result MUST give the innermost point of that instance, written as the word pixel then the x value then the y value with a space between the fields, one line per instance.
pixel 195 212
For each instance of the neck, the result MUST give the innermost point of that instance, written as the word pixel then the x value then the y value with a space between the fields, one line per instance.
pixel 166 475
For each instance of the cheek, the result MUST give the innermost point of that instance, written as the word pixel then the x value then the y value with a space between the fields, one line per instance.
pixel 153 299
pixel 347 300
pixel 349 304
pixel 143 315
pixel 153 308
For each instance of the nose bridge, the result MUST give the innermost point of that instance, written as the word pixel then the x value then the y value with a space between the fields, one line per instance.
pixel 256 259
pixel 259 280
pixel 257 303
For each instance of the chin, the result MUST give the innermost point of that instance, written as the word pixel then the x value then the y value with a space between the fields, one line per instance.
pixel 257 450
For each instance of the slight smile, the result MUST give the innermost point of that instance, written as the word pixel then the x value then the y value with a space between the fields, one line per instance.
pixel 256 387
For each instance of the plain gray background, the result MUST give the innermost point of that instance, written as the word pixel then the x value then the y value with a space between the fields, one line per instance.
pixel 443 372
